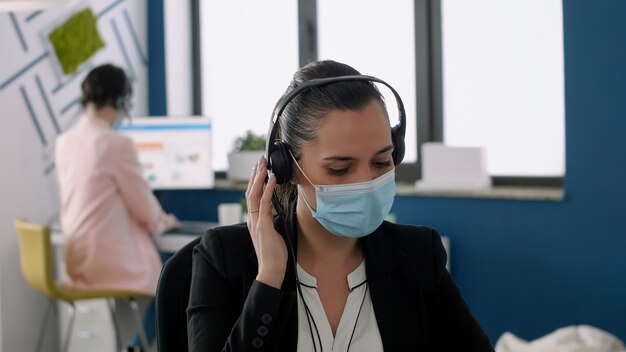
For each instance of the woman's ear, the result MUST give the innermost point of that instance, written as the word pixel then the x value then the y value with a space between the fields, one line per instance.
pixel 296 175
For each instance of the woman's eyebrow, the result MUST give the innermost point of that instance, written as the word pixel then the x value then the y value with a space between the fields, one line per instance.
pixel 385 149
pixel 339 158
pixel 348 158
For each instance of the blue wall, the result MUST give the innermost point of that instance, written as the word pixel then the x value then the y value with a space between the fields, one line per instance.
pixel 530 267
pixel 157 101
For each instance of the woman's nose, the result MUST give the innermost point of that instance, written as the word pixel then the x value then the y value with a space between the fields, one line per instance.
pixel 365 174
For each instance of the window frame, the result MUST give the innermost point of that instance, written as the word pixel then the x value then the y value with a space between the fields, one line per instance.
pixel 429 81
pixel 438 117
pixel 427 78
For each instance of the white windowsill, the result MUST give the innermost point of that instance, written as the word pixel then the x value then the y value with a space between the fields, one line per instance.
pixel 498 192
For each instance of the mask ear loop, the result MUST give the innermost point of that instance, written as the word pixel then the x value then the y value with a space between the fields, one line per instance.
pixel 313 210
pixel 299 168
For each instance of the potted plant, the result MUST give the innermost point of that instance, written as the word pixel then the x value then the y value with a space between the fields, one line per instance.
pixel 247 151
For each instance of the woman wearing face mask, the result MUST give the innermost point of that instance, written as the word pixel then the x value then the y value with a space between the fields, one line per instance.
pixel 328 273
pixel 108 213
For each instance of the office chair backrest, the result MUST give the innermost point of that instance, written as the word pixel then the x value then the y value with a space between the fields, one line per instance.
pixel 172 297
pixel 36 256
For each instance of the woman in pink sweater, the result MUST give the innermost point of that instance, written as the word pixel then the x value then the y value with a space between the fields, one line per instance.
pixel 109 215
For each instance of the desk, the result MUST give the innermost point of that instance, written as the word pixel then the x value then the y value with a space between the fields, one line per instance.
pixel 170 242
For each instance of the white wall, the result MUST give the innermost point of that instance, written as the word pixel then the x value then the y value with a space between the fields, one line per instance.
pixel 27 183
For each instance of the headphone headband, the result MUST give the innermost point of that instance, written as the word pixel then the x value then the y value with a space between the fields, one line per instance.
pixel 398 131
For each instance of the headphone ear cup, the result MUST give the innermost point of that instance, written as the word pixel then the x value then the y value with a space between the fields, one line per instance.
pixel 119 104
pixel 398 145
pixel 280 163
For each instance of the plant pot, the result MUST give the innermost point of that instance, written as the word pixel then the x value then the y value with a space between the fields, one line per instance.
pixel 240 164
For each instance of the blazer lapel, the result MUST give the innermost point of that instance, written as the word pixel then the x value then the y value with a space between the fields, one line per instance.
pixel 394 300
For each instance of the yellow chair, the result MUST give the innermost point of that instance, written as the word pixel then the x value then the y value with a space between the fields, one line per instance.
pixel 36 262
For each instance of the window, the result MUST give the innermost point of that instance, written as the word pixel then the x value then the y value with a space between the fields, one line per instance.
pixel 481 73
pixel 249 52
pixel 377 38
pixel 503 83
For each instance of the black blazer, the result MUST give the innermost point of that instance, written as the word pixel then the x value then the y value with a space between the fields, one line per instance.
pixel 417 305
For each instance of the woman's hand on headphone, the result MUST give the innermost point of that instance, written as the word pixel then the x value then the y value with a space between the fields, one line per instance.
pixel 270 248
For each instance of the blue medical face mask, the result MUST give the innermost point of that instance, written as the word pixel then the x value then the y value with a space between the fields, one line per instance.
pixel 353 210
pixel 120 119
pixel 123 112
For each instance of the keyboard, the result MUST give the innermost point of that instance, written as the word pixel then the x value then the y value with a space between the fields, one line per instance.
pixel 196 228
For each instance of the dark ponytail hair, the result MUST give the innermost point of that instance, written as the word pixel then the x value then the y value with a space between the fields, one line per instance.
pixel 106 85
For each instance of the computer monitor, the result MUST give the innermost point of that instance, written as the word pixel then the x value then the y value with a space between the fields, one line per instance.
pixel 175 152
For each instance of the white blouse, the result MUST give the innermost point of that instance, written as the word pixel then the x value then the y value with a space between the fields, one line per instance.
pixel 357 329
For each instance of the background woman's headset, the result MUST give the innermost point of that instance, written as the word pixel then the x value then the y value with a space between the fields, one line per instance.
pixel 123 102
pixel 277 152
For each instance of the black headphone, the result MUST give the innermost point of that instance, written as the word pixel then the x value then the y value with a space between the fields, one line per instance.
pixel 277 152
pixel 122 104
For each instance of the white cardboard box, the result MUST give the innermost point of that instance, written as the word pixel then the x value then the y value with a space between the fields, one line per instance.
pixel 450 168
